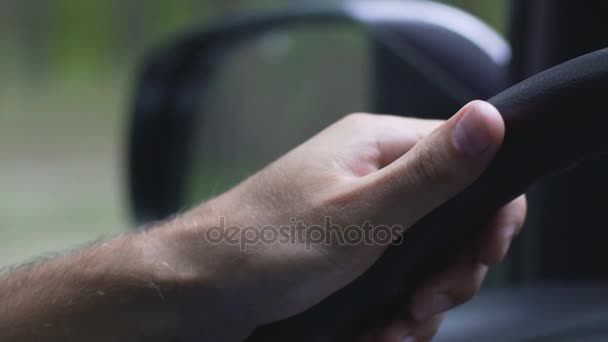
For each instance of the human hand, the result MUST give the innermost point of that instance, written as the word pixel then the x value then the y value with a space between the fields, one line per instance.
pixel 363 171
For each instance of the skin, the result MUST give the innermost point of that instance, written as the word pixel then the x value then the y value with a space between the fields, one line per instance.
pixel 173 282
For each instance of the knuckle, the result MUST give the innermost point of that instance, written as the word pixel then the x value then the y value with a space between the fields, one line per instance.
pixel 427 164
pixel 523 209
pixel 519 213
pixel 357 119
pixel 470 285
pixel 358 116
pixel 466 292
pixel 429 330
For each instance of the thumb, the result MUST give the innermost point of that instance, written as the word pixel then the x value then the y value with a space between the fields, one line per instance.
pixel 445 162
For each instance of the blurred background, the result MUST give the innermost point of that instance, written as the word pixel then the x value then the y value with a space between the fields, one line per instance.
pixel 67 71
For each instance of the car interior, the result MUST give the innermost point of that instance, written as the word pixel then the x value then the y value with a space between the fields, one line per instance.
pixel 420 58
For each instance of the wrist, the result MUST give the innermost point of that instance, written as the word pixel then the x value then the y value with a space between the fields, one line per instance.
pixel 145 288
pixel 207 283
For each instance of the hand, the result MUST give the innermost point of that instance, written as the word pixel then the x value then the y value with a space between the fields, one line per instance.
pixel 458 284
pixel 365 170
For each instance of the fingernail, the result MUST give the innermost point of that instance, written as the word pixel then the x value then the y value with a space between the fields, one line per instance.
pixel 471 134
pixel 439 304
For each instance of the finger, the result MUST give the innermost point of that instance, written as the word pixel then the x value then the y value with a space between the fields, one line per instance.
pixel 505 225
pixel 404 331
pixel 391 136
pixel 395 135
pixel 396 332
pixel 448 289
pixel 426 331
pixel 443 163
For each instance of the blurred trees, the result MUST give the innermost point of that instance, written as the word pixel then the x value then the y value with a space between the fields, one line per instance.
pixel 68 35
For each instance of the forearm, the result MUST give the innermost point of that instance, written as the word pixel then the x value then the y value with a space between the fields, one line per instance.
pixel 166 284
pixel 103 293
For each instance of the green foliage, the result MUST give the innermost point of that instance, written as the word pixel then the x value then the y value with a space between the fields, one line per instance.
pixel 68 35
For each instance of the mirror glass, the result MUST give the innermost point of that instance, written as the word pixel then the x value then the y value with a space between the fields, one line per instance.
pixel 272 93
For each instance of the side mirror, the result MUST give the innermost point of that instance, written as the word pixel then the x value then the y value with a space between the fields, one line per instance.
pixel 417 57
